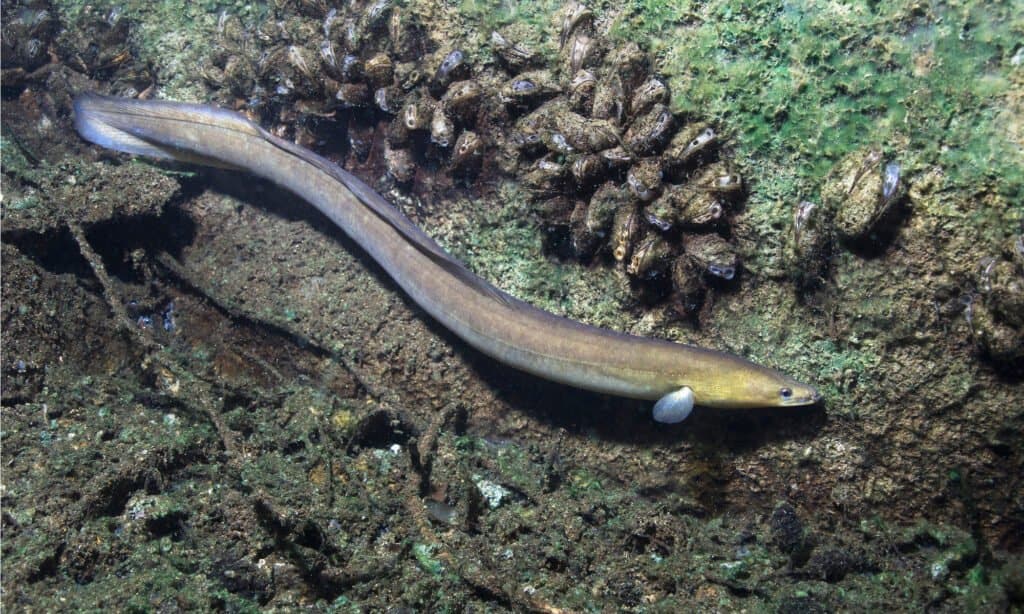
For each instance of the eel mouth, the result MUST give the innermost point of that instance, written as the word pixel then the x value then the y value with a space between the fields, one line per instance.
pixel 810 397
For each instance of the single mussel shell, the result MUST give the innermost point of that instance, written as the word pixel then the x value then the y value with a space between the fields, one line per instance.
pixel 585 242
pixel 617 158
pixel 605 202
pixel 585 134
pixel 810 232
pixel 631 64
pixel 442 128
pixel 515 56
pixel 719 179
pixel 350 68
pixel 1003 291
pixel 529 88
pixel 688 146
pixel 587 169
pixel 581 91
pixel 453 67
pixel 625 230
pixel 379 70
pixel 651 92
pixel 577 16
pixel 545 177
pixel 374 14
pixel 650 132
pixel 650 257
pixel 389 99
pixel 609 99
pixel 527 143
pixel 467 152
pixel 303 60
pixel 689 286
pixel 1015 249
pixel 416 114
pixel 582 51
pixel 329 59
pixel 644 179
pixel 352 95
pixel 399 164
pixel 462 100
pixel 557 143
pixel 360 140
pixel 688 206
pixel 861 189
pixel 713 255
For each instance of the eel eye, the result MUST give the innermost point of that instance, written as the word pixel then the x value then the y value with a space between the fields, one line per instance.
pixel 785 393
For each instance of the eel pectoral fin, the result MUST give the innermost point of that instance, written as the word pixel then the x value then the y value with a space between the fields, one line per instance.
pixel 675 406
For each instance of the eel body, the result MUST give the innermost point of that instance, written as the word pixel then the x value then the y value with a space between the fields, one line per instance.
pixel 509 330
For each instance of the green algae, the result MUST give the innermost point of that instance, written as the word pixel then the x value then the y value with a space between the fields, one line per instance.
pixel 507 250
pixel 805 83
pixel 424 554
pixel 530 19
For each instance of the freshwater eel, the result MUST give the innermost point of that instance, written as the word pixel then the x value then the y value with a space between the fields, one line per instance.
pixel 499 325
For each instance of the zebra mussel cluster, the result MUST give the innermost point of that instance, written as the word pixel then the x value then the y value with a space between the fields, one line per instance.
pixel 612 172
pixel 612 168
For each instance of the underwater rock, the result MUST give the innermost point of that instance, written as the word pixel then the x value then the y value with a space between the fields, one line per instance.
pixel 833 564
pixel 787 530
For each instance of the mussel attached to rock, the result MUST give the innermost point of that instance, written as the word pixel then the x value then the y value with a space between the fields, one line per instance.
pixel 713 255
pixel 809 246
pixel 996 313
pixel 861 188
pixel 587 130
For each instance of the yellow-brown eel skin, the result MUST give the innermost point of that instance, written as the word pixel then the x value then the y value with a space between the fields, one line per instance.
pixel 506 329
